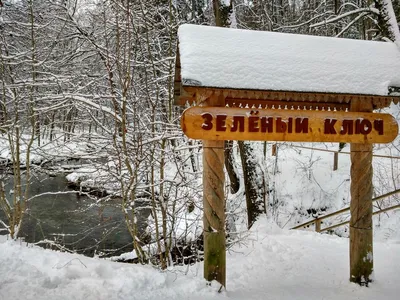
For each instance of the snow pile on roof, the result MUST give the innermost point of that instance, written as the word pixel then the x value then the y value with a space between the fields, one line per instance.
pixel 259 60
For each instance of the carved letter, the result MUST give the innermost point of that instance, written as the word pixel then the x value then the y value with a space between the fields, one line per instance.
pixel 347 127
pixel 220 122
pixel 328 126
pixel 267 124
pixel 238 124
pixel 290 125
pixel 207 125
pixel 253 124
pixel 280 125
pixel 366 126
pixel 301 125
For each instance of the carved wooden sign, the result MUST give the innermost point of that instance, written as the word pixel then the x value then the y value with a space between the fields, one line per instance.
pixel 225 123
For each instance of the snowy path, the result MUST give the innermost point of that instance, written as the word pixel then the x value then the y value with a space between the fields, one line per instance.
pixel 270 264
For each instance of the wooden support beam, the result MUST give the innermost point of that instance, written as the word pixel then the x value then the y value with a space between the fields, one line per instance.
pixel 335 161
pixel 214 205
pixel 361 239
pixel 274 148
pixel 318 225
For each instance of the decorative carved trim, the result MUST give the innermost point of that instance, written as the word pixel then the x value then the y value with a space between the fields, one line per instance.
pixel 190 94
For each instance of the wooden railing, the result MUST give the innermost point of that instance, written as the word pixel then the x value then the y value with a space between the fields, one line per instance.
pixel 318 221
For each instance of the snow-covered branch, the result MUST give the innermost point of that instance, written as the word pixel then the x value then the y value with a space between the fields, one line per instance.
pixel 351 23
pixel 337 18
pixel 97 106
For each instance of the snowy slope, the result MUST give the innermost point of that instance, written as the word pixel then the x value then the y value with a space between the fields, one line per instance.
pixel 270 263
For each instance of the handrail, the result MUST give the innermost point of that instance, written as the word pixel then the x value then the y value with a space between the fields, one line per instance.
pixel 317 221
pixel 342 152
pixel 347 222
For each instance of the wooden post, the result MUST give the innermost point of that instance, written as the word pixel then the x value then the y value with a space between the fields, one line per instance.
pixel 361 239
pixel 274 150
pixel 214 206
pixel 318 225
pixel 335 161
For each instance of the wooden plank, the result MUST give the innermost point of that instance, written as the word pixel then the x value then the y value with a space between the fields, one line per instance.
pixel 225 123
pixel 343 210
pixel 182 97
pixel 377 101
pixel 302 105
pixel 347 222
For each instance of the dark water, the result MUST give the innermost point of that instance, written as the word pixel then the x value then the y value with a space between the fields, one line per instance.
pixel 76 221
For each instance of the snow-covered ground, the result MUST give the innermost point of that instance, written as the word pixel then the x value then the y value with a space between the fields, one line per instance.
pixel 270 263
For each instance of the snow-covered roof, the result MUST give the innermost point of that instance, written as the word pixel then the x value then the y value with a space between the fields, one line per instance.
pixel 259 60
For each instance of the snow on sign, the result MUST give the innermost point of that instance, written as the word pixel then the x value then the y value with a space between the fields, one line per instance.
pixel 224 123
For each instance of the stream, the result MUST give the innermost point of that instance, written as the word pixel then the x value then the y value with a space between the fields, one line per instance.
pixel 75 221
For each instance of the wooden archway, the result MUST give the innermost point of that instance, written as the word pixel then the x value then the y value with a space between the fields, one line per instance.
pixel 193 92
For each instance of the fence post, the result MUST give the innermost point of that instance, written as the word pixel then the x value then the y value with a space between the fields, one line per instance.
pixel 273 150
pixel 318 225
pixel 335 161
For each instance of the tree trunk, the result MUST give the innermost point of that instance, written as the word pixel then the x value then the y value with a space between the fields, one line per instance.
pixel 254 191
pixel 230 168
pixel 387 22
pixel 254 200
